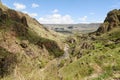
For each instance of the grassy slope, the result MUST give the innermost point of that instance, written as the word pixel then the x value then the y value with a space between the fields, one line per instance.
pixel 39 51
pixel 38 28
pixel 101 63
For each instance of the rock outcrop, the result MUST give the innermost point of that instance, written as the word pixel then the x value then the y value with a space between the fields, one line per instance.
pixel 112 20
pixel 3 16
pixel 12 15
pixel 87 45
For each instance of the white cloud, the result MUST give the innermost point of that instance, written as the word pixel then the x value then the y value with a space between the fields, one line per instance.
pixel 56 18
pixel 31 14
pixel 34 5
pixel 92 13
pixel 83 19
pixel 55 11
pixel 19 6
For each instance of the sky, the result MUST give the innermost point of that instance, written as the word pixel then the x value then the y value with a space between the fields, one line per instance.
pixel 65 11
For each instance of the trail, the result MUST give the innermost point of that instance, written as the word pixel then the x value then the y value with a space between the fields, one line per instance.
pixel 66 52
pixel 56 61
pixel 52 66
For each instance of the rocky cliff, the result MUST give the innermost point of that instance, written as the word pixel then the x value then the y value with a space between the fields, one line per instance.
pixel 112 20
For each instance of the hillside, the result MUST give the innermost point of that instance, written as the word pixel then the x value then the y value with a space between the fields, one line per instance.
pixel 25 45
pixel 96 57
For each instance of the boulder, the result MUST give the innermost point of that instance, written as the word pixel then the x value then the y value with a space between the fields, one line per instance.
pixel 24 44
pixel 71 40
pixel 86 45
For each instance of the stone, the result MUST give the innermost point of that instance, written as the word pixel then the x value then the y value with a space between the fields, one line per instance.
pixel 86 45
pixel 0 11
pixel 4 17
pixel 24 44
pixel 24 21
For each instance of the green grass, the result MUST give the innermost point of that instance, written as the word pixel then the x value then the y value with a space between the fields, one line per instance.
pixel 103 76
pixel 106 57
pixel 112 35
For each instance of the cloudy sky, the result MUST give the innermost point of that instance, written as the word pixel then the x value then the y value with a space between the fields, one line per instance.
pixel 65 11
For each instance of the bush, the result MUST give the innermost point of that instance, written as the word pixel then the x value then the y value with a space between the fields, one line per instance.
pixel 7 62
pixel 51 46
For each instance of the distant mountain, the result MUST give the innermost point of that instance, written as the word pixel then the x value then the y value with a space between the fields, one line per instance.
pixel 83 28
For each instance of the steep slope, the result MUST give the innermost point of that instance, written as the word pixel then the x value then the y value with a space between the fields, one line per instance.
pixel 18 26
pixel 25 46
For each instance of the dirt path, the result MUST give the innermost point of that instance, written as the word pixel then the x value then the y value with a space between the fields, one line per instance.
pixel 66 51
pixel 53 64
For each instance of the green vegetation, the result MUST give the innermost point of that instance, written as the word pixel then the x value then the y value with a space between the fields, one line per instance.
pixel 112 35
pixel 103 61
pixel 85 66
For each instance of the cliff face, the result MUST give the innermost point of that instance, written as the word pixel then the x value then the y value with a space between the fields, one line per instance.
pixel 112 20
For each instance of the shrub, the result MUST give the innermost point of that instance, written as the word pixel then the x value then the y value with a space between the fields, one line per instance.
pixel 7 62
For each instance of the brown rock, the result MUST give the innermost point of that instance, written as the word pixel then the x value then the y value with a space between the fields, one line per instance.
pixel 24 44
pixel 4 17
pixel 112 20
pixel 71 40
pixel 86 45
pixel 13 15
pixel 24 21
pixel 0 11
